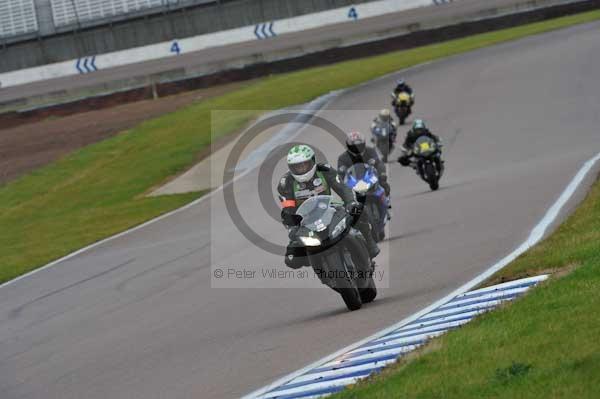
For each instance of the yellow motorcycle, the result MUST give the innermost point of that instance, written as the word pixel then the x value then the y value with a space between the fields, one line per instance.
pixel 425 152
pixel 402 104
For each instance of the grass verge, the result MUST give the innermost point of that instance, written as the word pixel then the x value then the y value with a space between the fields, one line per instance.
pixel 97 191
pixel 543 346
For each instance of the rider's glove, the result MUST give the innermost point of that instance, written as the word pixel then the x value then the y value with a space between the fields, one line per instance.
pixel 293 261
pixel 404 160
pixel 289 217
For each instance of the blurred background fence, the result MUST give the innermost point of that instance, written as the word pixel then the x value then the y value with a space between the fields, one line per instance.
pixel 38 32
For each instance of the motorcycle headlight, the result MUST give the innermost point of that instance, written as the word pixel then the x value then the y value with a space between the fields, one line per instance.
pixel 337 230
pixel 310 241
pixel 361 187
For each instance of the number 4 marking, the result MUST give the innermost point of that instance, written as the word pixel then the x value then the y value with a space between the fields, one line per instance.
pixel 175 48
pixel 352 13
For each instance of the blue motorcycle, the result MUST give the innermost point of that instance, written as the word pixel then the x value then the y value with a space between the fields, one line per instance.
pixel 363 179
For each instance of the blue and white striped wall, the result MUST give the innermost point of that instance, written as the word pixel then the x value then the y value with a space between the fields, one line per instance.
pixel 372 356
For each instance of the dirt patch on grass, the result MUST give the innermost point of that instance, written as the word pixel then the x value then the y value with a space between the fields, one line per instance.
pixel 555 272
pixel 30 146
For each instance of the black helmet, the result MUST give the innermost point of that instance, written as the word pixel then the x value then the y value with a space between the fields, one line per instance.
pixel 355 142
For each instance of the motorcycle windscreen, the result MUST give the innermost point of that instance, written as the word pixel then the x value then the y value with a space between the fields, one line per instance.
pixel 360 172
pixel 424 146
pixel 317 212
pixel 403 97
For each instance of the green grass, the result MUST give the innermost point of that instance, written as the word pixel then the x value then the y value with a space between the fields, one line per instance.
pixel 577 240
pixel 98 191
pixel 545 345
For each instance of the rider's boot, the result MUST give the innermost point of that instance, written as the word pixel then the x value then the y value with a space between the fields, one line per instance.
pixel 372 246
pixel 365 229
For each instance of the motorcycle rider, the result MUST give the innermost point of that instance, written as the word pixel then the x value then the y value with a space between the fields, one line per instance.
pixel 384 120
pixel 358 152
pixel 402 86
pixel 307 178
pixel 417 130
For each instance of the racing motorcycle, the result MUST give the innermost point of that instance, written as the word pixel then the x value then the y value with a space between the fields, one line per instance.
pixel 377 203
pixel 425 151
pixel 336 251
pixel 402 105
pixel 383 139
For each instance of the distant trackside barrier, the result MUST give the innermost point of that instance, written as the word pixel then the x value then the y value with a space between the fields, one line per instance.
pixel 261 31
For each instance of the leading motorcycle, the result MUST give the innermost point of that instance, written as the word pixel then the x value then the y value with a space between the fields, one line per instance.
pixel 336 251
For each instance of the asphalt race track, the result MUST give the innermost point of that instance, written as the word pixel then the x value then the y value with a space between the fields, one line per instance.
pixel 137 318
pixel 293 41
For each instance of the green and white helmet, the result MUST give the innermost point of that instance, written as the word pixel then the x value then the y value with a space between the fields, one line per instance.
pixel 302 162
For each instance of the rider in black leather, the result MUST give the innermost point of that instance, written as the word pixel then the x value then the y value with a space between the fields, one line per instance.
pixel 306 178
pixel 402 86
pixel 358 152
pixel 417 130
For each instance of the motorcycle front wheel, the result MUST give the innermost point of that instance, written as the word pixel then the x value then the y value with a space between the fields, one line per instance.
pixel 432 177
pixel 351 298
pixel 368 293
pixel 384 148
pixel 346 286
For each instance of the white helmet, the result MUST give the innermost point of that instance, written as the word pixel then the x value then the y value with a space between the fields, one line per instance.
pixel 384 114
pixel 302 162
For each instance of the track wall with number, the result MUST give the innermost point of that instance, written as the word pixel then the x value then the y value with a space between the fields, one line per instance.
pixel 172 48
pixel 103 26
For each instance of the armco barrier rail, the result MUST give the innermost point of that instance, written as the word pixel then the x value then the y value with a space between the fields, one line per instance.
pixel 239 35
pixel 374 355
